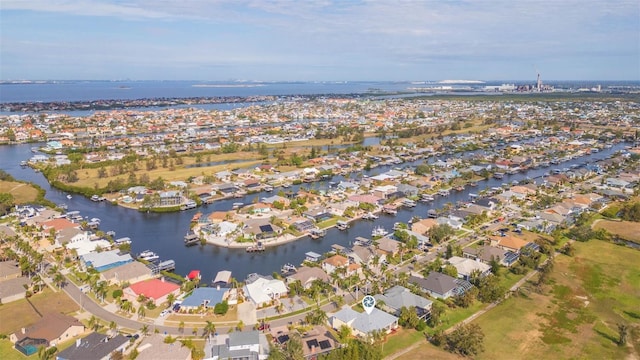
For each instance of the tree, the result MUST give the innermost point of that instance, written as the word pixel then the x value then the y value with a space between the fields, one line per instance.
pixel 181 327
pixel 293 349
pixel 209 329
pixel 94 324
pixel 437 311
pixel 144 330
pixel 622 334
pixel 344 334
pixel 221 308
pixel 141 311
pixel 466 340
pixel 408 317
pixel 440 233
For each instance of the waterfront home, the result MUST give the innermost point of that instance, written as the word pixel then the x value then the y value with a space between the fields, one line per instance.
pixel 155 290
pixel 94 346
pixel 397 297
pixel 237 345
pixel 104 260
pixel 58 225
pixel 154 347
pixel 170 198
pixel 388 246
pixel 333 263
pixel 86 246
pixel 262 290
pixel 485 254
pixel 307 275
pixel 50 330
pixel 364 255
pixel 466 267
pixel 129 273
pixel 363 324
pixel 423 226
pixel 205 297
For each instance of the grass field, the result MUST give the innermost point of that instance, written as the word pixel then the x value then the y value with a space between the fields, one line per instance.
pixel 18 314
pixel 627 230
pixel 22 193
pixel 575 317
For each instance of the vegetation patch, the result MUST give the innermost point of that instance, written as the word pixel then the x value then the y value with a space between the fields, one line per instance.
pixel 627 230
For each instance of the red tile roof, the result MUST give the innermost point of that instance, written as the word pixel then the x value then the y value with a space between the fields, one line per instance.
pixel 154 288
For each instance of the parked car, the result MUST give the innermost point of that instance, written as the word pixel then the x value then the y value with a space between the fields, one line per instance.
pixel 165 312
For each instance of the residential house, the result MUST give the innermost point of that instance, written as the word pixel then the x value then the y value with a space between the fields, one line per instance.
pixel 333 263
pixel 508 242
pixel 13 286
pixel 156 290
pixel 363 324
pixel 50 330
pixel 397 297
pixel 264 289
pixel 363 255
pixel 207 297
pixel 388 246
pixel 130 273
pixel 423 226
pixel 154 347
pixel 440 285
pixel 466 267
pixel 317 341
pixel 237 345
pixel 94 346
pixel 105 260
pixel 307 275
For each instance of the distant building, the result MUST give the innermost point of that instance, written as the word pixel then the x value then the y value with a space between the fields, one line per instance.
pixel 153 347
pixel 94 346
pixel 51 330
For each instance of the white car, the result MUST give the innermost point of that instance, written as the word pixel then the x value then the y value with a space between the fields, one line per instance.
pixel 165 312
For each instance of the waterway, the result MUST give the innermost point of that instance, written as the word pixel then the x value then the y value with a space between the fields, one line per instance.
pixel 163 233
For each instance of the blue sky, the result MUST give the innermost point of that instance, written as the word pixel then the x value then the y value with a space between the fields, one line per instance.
pixel 320 40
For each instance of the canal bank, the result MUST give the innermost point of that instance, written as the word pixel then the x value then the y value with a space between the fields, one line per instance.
pixel 164 233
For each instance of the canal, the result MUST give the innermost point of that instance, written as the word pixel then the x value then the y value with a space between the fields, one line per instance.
pixel 163 233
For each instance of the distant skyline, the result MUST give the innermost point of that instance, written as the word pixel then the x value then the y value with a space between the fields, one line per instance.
pixel 323 40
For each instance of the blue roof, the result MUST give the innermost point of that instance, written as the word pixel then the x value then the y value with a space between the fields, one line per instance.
pixel 204 295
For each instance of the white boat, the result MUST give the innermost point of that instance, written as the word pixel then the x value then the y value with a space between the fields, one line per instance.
pixel 69 196
pixel 287 268
pixel 237 205
pixel 399 226
pixel 148 255
pixel 342 225
pixel 409 203
pixel 369 216
pixel 427 198
pixel 379 231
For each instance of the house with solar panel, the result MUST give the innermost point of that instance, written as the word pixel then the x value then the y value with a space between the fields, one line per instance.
pixel 439 285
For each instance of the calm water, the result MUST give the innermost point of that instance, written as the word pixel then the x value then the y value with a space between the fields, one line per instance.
pixel 163 233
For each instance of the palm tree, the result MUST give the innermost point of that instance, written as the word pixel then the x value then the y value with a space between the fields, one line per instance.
pixel 144 329
pixel 113 327
pixel 181 327
pixel 94 323
pixel 171 298
pixel 209 329
pixel 141 311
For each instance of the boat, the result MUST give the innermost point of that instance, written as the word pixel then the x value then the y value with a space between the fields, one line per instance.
pixel 121 241
pixel 288 268
pixel 256 248
pixel 95 198
pixel 148 255
pixel 409 203
pixel 268 188
pixel 111 233
pixel 23 163
pixel 189 205
pixel 237 205
pixel 63 206
pixel 379 231
pixel 426 198
pixel 342 225
pixel 444 192
pixel 317 233
pixel 196 217
pixel 191 239
pixel 459 188
pixel 498 175
pixel 389 210
pixel 432 213
pixel 369 216
pixel 399 226
pixel 69 196
pixel 473 184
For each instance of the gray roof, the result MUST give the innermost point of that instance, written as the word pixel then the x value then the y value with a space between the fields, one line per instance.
pixel 398 296
pixel 240 338
pixel 363 322
pixel 9 269
pixel 100 259
pixel 435 282
pixel 126 272
pixel 93 346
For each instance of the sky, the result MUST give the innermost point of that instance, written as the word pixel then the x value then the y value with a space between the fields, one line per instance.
pixel 319 40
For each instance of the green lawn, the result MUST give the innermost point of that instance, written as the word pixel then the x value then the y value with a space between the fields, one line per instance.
pixel 7 352
pixel 402 339
pixel 575 316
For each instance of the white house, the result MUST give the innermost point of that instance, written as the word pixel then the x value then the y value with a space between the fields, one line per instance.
pixel 264 289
